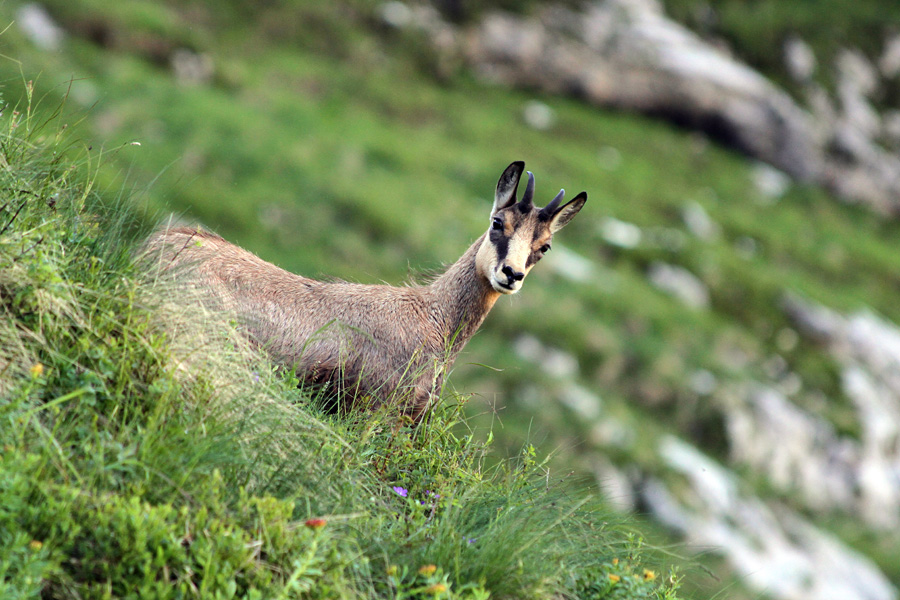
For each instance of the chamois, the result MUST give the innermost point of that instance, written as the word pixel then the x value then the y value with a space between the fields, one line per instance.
pixel 372 344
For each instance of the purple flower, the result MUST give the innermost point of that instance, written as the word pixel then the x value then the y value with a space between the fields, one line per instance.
pixel 471 540
pixel 400 491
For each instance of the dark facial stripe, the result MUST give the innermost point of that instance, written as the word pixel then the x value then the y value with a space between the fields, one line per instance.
pixel 501 243
pixel 539 232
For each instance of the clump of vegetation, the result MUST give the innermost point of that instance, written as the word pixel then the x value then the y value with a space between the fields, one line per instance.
pixel 146 452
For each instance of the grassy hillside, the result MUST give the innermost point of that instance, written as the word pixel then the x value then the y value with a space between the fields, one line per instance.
pixel 336 146
pixel 148 453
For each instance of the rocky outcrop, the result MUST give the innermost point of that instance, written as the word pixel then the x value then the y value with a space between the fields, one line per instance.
pixel 775 550
pixel 626 54
pixel 862 473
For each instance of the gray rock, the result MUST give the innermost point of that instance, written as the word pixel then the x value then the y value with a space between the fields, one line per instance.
pixel 191 68
pixel 775 550
pixel 799 59
pixel 553 361
pixel 889 63
pixel 39 27
pixel 867 348
pixel 574 267
pixel 797 451
pixel 703 382
pixel 614 484
pixel 855 70
pixel 538 115
pixel 680 283
pixel 769 181
pixel 626 54
pixel 856 110
pixel 620 233
pixel 699 222
pixel 583 402
pixel 396 14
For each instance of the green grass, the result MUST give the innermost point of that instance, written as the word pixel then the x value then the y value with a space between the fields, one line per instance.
pixel 327 144
pixel 147 452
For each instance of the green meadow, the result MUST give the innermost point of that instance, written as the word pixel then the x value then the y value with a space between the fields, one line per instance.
pixel 337 147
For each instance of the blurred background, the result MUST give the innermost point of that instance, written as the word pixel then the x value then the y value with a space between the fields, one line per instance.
pixel 713 342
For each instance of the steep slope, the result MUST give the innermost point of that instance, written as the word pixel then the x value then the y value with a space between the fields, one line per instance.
pixel 334 144
pixel 147 452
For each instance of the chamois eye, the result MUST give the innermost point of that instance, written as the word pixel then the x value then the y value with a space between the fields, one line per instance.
pixel 545 248
pixel 497 223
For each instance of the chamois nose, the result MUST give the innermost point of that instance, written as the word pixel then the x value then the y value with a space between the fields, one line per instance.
pixel 512 275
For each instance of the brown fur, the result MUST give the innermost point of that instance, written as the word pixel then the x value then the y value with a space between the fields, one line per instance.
pixel 361 343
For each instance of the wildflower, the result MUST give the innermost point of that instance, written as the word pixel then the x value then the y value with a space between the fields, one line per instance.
pixel 649 575
pixel 471 540
pixel 435 589
pixel 400 491
pixel 391 570
pixel 315 523
pixel 37 370
pixel 615 561
pixel 35 545
pixel 614 578
pixel 255 377
pixel 427 570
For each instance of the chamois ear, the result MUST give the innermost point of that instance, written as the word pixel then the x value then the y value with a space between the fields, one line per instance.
pixel 508 186
pixel 565 214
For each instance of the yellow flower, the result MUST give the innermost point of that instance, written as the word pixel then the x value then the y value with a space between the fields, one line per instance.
pixel 614 578
pixel 427 570
pixel 649 575
pixel 615 561
pixel 437 588
pixel 37 370
pixel 391 570
pixel 35 545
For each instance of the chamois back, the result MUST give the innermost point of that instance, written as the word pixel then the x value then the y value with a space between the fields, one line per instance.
pixel 369 344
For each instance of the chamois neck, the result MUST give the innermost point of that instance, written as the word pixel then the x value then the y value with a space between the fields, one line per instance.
pixel 462 298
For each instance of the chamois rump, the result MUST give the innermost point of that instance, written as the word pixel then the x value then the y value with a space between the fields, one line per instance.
pixel 371 344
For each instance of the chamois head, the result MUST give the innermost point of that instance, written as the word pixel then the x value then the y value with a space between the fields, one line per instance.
pixel 520 233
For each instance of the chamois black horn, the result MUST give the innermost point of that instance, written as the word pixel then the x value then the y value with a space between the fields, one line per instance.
pixel 548 211
pixel 527 202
